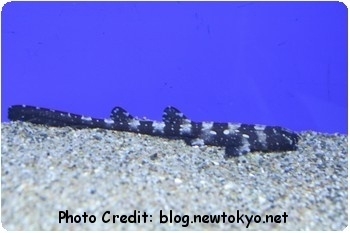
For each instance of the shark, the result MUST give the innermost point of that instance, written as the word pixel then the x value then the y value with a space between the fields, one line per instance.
pixel 237 138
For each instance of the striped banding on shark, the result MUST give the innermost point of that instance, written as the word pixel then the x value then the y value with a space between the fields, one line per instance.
pixel 238 139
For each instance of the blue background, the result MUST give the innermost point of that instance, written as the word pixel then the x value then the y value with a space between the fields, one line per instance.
pixel 269 63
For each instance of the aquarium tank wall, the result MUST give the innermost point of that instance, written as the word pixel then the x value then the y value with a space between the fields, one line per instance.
pixel 272 63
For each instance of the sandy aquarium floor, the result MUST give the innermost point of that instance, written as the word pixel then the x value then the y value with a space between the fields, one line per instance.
pixel 104 173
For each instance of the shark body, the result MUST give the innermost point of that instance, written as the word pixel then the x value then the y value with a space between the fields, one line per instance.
pixel 238 139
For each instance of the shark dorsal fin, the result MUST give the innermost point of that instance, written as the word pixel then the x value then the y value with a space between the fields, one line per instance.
pixel 119 114
pixel 176 123
pixel 172 115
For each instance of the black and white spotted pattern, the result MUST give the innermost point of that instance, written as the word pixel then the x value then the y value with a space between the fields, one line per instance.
pixel 237 139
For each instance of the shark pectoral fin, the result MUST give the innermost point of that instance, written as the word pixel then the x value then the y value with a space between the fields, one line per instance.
pixel 234 151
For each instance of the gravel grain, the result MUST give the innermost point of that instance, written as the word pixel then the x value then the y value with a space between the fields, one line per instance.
pixel 46 170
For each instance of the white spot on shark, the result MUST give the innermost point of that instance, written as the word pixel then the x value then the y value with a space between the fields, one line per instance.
pixel 109 121
pixel 134 123
pixel 86 118
pixel 207 125
pixel 186 127
pixel 259 127
pixel 197 142
pixel 262 138
pixel 179 114
pixel 158 126
pixel 233 128
pixel 245 148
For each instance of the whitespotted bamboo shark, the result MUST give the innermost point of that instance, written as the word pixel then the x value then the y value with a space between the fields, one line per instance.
pixel 238 139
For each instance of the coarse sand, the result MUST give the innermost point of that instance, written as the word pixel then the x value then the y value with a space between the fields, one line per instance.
pixel 47 172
